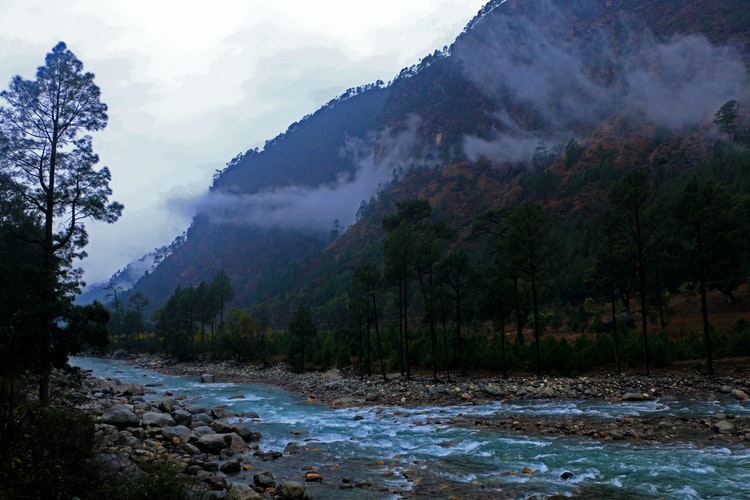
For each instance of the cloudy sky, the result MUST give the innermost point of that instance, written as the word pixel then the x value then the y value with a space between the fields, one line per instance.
pixel 190 84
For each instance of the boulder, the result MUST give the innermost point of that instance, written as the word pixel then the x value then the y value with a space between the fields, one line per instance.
pixel 156 419
pixel 236 444
pixel 179 431
pixel 202 430
pixel 231 467
pixel 125 388
pixel 291 490
pixel 202 419
pixel 240 491
pixel 120 416
pixel 182 417
pixel 633 396
pixel 220 427
pixel 739 394
pixel 208 378
pixel 214 443
pixel 244 432
pixel 264 480
pixel 723 427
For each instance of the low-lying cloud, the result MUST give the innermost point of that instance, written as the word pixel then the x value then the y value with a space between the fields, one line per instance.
pixel 315 208
pixel 563 82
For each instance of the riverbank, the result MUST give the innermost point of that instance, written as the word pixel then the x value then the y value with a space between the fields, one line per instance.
pixel 680 382
pixel 225 453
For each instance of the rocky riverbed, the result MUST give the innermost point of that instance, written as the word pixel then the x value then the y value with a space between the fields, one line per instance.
pixel 336 388
pixel 224 457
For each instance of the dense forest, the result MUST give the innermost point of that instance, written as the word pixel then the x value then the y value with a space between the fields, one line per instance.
pixel 528 287
pixel 515 172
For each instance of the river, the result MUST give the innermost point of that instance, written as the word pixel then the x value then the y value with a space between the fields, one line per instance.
pixel 404 438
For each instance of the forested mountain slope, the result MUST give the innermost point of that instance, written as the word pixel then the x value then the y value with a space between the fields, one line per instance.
pixel 549 100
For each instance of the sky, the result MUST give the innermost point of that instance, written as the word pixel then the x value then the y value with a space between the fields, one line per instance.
pixel 190 84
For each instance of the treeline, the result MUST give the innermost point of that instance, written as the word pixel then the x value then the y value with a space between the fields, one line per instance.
pixel 495 298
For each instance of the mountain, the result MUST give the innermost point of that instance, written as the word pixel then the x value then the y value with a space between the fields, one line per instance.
pixel 536 99
pixel 126 278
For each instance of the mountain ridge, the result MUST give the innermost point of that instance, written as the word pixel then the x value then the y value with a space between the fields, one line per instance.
pixel 457 129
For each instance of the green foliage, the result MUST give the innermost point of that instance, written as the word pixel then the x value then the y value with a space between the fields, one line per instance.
pixel 47 167
pixel 302 333
pixel 46 455
pixel 159 480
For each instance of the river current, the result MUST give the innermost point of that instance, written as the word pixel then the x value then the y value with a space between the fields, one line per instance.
pixel 498 459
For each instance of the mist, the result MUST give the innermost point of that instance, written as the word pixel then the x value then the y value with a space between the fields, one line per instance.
pixel 565 82
pixel 315 208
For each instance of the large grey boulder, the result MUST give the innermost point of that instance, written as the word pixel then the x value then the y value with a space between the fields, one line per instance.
pixel 291 490
pixel 208 378
pixel 120 416
pixel 239 491
pixel 178 431
pixel 156 419
pixel 182 417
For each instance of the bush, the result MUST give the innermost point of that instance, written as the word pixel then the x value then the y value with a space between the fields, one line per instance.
pixel 46 455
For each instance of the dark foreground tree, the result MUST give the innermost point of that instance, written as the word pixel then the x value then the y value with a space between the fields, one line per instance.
pixel 48 159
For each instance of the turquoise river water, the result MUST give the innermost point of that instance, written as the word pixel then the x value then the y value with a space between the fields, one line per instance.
pixel 412 435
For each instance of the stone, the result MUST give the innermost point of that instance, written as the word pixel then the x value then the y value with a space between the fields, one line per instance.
pixel 182 417
pixel 236 444
pixel 220 427
pixel 566 475
pixel 739 394
pixel 202 419
pixel 240 491
pixel 313 477
pixel 291 490
pixel 231 467
pixel 120 416
pixel 214 443
pixel 167 405
pixel 178 431
pixel 208 378
pixel 156 419
pixel 264 480
pixel 633 396
pixel 723 427
pixel 244 432
pixel 126 389
pixel 203 430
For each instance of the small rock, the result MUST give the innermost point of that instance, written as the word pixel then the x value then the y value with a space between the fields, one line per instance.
pixel 566 475
pixel 313 477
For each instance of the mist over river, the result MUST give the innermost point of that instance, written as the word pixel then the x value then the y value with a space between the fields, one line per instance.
pixel 391 445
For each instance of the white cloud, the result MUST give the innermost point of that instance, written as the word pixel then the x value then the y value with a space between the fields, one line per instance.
pixel 190 84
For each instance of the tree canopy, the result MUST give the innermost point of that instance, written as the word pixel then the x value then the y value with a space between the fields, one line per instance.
pixel 48 167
